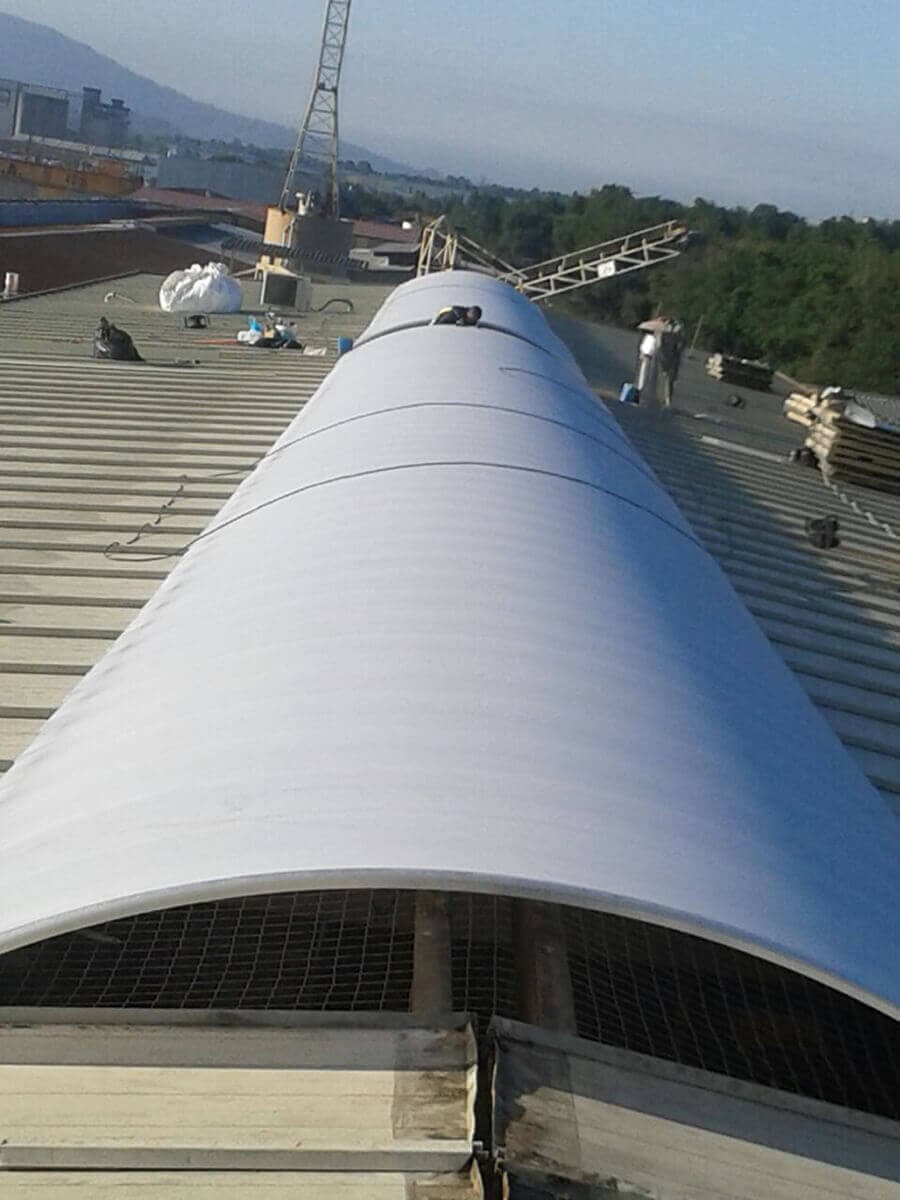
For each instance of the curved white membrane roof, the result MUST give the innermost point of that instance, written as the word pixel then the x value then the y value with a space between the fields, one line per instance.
pixel 502 308
pixel 452 633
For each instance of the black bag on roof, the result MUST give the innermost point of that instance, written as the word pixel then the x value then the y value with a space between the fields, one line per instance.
pixel 114 344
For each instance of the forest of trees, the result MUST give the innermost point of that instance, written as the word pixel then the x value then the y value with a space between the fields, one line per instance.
pixel 821 301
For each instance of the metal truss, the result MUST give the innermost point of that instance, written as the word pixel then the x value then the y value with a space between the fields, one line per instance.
pixel 606 260
pixel 442 249
pixel 315 157
pixel 438 248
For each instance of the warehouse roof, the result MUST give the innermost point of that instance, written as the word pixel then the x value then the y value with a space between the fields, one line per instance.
pixel 605 1120
pixel 273 1104
pixel 92 453
pixel 574 1111
pixel 463 604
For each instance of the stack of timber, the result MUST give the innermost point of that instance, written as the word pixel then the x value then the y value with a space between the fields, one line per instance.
pixel 850 442
pixel 739 371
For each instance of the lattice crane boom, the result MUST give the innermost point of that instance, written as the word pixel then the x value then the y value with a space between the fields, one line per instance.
pixel 317 140
pixel 442 249
pixel 605 260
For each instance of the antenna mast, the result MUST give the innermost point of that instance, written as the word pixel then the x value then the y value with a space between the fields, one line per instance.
pixel 316 151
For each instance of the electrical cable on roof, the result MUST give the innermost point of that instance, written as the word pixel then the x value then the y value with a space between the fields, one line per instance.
pixel 149 527
pixel 308 487
pixel 806 457
pixel 858 508
pixel 335 300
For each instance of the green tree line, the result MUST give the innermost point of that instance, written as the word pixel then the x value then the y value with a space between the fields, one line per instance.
pixel 821 301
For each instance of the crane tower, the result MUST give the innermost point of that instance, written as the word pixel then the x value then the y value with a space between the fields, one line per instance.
pixel 316 151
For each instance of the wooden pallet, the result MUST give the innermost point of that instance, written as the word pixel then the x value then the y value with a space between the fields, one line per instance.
pixel 845 450
pixel 740 372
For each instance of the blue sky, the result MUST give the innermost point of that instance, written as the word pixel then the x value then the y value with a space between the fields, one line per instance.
pixel 793 102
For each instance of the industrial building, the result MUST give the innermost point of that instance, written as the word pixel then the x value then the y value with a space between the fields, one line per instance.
pixel 42 158
pixel 444 822
pixel 103 124
pixel 32 110
pixel 233 180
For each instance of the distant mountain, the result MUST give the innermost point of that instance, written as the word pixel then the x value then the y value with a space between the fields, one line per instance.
pixel 37 54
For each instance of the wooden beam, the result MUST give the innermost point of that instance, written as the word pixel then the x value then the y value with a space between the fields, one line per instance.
pixel 432 986
pixel 545 985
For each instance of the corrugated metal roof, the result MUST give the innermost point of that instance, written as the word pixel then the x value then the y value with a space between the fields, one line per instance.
pixel 571 1117
pixel 238 1185
pixel 833 615
pixel 188 1094
pixel 93 452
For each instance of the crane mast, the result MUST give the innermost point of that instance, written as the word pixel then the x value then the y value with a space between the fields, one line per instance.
pixel 314 166
pixel 316 151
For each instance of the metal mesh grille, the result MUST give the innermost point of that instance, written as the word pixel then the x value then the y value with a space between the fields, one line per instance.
pixel 682 998
pixel 482 956
pixel 658 992
pixel 311 950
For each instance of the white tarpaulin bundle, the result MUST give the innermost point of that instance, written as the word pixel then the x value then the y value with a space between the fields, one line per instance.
pixel 208 289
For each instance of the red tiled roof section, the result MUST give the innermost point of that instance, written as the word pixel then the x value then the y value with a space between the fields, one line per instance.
pixel 173 198
pixel 384 231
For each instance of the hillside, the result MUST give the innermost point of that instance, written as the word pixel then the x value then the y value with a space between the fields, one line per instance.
pixel 37 54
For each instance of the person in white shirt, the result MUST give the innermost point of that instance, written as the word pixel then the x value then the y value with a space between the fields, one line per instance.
pixel 646 373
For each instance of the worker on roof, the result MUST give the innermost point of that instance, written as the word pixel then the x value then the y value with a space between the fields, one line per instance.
pixel 670 346
pixel 645 383
pixel 457 314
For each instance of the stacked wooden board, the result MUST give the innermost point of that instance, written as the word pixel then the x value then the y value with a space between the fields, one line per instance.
pixel 739 371
pixel 849 441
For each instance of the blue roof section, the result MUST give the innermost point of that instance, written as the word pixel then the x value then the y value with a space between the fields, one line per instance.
pixel 19 214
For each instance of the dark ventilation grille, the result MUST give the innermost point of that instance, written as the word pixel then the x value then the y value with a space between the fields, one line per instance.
pixel 637 986
pixel 682 998
pixel 483 963
pixel 311 950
